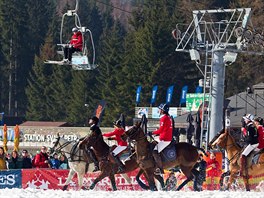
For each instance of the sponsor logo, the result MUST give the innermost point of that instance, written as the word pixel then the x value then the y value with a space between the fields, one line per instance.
pixel 7 179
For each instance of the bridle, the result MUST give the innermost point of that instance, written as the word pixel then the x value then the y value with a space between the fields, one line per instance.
pixel 133 133
pixel 228 146
pixel 61 146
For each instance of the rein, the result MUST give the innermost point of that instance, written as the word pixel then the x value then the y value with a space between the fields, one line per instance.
pixel 228 146
pixel 61 146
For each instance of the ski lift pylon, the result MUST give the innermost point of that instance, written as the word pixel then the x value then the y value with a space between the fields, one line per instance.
pixel 80 60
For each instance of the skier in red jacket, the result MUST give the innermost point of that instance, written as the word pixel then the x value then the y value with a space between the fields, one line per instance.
pixel 75 45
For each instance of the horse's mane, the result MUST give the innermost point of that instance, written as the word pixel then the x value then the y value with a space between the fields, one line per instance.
pixel 236 136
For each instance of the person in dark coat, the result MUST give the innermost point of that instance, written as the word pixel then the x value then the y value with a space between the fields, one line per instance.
pixel 14 161
pixel 190 128
pixel 250 134
pixel 26 160
pixel 94 128
pixel 198 129
pixel 171 182
pixel 201 177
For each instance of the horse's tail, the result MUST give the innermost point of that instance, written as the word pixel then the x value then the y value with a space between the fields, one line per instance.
pixel 203 151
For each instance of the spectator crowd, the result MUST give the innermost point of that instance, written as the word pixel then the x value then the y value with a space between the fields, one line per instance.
pixel 25 160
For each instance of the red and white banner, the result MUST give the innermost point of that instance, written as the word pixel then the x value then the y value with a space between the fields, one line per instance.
pixel 54 179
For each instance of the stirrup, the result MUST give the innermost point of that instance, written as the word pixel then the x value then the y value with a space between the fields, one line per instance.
pixel 158 171
pixel 120 169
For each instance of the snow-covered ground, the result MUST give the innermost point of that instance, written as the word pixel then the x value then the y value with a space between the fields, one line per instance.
pixel 33 193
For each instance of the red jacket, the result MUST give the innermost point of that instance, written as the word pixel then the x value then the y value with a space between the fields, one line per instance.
pixel 165 130
pixel 117 133
pixel 77 41
pixel 40 160
pixel 261 137
pixel 213 171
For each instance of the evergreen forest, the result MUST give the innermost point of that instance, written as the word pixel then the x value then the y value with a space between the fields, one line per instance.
pixel 134 47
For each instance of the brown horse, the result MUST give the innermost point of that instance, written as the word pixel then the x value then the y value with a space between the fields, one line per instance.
pixel 77 159
pixel 107 164
pixel 187 156
pixel 227 142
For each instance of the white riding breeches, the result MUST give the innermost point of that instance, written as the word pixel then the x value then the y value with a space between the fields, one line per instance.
pixel 118 150
pixel 249 148
pixel 161 145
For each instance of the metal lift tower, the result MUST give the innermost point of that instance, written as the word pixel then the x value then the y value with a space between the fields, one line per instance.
pixel 213 39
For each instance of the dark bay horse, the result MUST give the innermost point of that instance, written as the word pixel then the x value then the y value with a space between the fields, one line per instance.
pixel 187 156
pixel 226 141
pixel 107 164
pixel 77 159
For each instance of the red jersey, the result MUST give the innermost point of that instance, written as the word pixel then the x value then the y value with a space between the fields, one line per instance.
pixel 261 137
pixel 77 41
pixel 165 129
pixel 117 133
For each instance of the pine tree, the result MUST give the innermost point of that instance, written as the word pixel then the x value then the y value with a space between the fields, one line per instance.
pixel 111 52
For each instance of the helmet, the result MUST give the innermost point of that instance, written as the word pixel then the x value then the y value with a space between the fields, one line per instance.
pixel 74 29
pixel 164 107
pixel 117 123
pixel 248 117
pixel 95 119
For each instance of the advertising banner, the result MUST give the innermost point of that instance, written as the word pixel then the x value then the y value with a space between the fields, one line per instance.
pixel 194 100
pixel 169 94
pixel 183 94
pixel 199 89
pixel 138 95
pixel 140 111
pixel 154 94
pixel 54 179
pixel 10 179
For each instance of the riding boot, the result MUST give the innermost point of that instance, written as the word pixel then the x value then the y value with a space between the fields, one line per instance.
pixel 157 158
pixel 242 164
pixel 94 159
pixel 121 166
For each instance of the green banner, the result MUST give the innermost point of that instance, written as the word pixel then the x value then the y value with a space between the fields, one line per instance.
pixel 194 100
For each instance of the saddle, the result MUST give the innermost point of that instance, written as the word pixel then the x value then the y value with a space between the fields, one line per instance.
pixel 169 153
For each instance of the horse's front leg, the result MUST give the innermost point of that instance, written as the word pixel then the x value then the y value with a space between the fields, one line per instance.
pixel 99 178
pixel 221 181
pixel 69 178
pixel 149 174
pixel 113 183
pixel 245 179
pixel 80 179
pixel 231 180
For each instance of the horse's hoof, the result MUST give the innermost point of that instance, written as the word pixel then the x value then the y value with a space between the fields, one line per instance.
pixel 84 188
pixel 65 187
